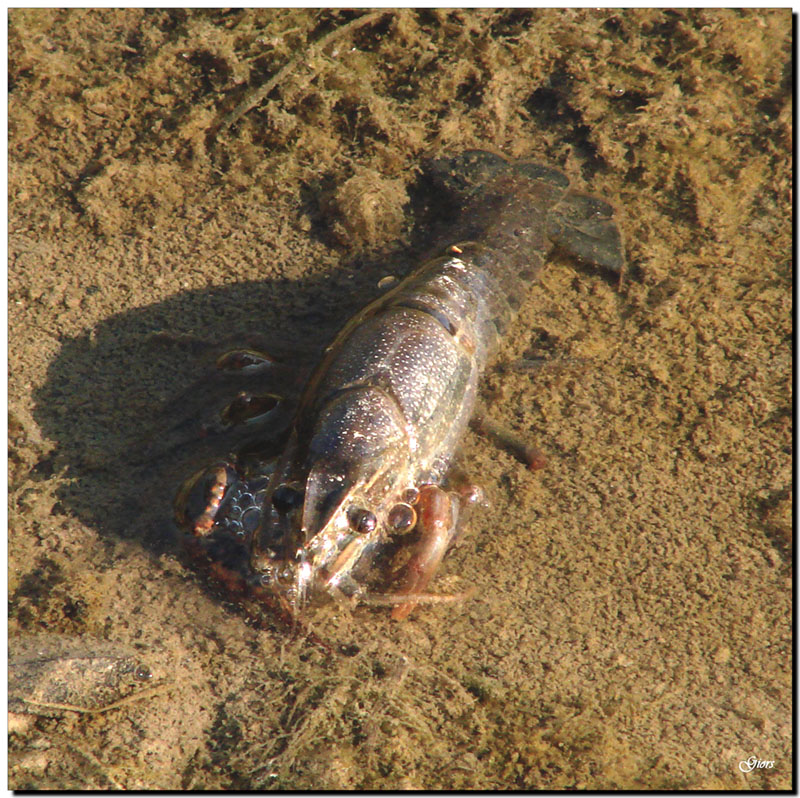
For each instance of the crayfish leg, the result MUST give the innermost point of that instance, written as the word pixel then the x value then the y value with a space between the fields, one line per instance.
pixel 530 456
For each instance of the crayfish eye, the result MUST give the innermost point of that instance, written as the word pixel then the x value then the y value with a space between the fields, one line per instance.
pixel 402 517
pixel 286 498
pixel 361 520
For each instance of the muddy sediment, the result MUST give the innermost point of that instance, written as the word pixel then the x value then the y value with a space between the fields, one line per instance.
pixel 180 179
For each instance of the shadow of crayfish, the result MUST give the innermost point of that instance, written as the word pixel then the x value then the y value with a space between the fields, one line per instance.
pixel 127 402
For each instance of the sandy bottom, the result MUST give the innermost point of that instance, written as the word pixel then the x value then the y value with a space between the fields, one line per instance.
pixel 176 176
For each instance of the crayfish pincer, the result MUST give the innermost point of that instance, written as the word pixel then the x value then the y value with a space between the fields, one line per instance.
pixel 366 457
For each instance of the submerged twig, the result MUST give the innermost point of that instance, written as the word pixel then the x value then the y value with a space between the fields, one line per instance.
pixel 97 710
pixel 259 93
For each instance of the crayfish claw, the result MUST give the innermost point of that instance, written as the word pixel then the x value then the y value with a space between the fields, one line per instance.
pixel 437 523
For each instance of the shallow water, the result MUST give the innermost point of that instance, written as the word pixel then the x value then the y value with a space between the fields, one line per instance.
pixel 631 623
